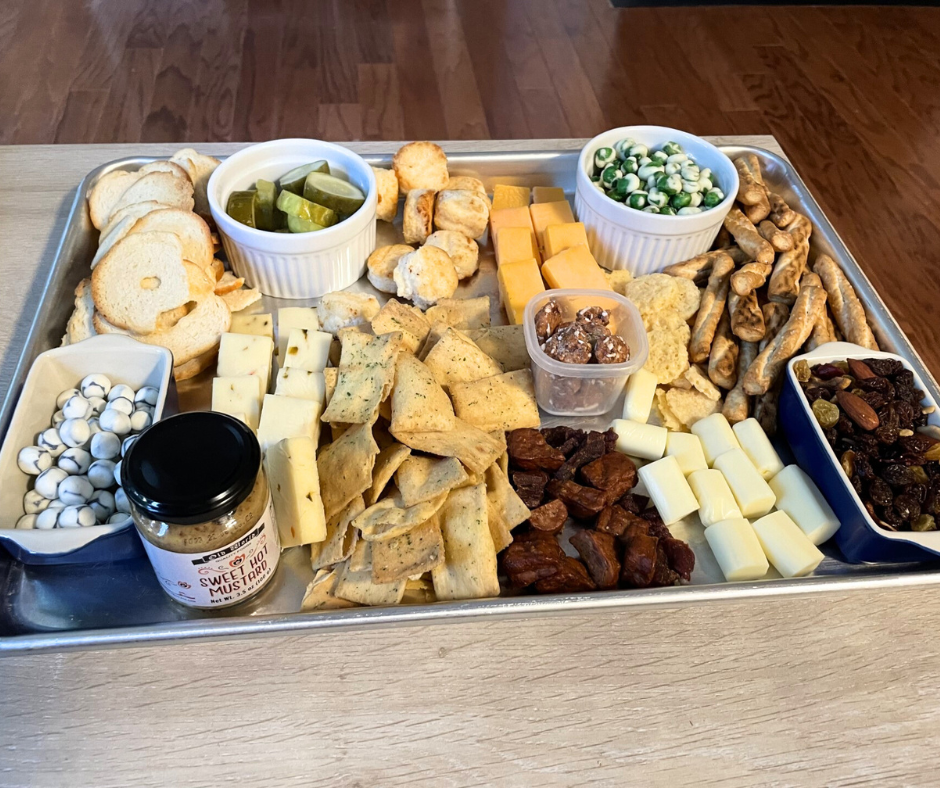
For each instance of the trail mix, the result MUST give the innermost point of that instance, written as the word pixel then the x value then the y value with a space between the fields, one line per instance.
pixel 871 414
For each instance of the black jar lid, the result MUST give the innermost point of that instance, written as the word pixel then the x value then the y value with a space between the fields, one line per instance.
pixel 191 468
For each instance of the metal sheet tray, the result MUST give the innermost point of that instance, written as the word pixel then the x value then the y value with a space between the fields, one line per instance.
pixel 120 603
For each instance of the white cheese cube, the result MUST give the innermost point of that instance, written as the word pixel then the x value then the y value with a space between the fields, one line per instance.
pixel 243 354
pixel 716 435
pixel 791 553
pixel 256 325
pixel 715 499
pixel 737 550
pixel 299 383
pixel 752 493
pixel 687 449
pixel 758 448
pixel 294 317
pixel 668 489
pixel 799 497
pixel 640 440
pixel 638 396
pixel 288 417
pixel 306 349
pixel 238 395
pixel 291 468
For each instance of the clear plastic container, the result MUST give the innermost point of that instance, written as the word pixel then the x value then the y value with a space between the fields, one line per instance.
pixel 584 389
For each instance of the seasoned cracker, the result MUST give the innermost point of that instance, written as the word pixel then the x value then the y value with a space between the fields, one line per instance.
pixel 690 406
pixel 690 298
pixel 653 293
pixel 668 354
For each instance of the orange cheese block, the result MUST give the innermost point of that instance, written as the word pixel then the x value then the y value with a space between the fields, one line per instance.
pixel 515 243
pixel 545 214
pixel 518 282
pixel 512 217
pixel 575 267
pixel 547 194
pixel 559 237
pixel 510 197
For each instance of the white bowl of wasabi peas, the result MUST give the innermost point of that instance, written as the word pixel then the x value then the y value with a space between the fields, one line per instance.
pixel 623 230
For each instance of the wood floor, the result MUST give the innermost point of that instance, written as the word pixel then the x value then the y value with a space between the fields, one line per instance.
pixel 853 94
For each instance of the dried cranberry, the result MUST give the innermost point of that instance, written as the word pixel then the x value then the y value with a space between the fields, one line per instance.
pixel 827 371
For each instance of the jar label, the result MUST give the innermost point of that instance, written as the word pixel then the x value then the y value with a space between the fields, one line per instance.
pixel 220 577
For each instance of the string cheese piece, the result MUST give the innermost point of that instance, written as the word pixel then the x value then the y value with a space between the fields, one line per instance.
pixel 758 448
pixel 799 497
pixel 737 549
pixel 715 499
pixel 638 397
pixel 687 449
pixel 791 553
pixel 668 489
pixel 752 493
pixel 716 435
pixel 640 440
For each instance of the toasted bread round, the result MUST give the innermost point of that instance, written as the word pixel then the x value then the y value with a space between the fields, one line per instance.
pixel 216 269
pixel 418 216
pixel 463 251
pixel 106 193
pixel 163 165
pixel 387 192
pixel 171 189
pixel 229 283
pixel 140 277
pixel 191 229
pixel 106 242
pixel 135 211
pixel 200 167
pixel 241 299
pixel 196 365
pixel 462 211
pixel 81 324
pixel 425 276
pixel 382 263
pixel 420 165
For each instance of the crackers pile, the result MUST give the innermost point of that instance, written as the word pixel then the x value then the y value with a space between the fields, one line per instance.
pixel 414 482
pixel 155 276
pixel 442 219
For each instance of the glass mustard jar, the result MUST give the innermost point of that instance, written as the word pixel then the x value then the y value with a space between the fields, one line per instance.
pixel 202 508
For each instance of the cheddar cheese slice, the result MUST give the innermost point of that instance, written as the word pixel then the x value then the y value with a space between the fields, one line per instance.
pixel 515 243
pixel 546 214
pixel 510 197
pixel 547 194
pixel 559 237
pixel 512 217
pixel 518 282
pixel 575 267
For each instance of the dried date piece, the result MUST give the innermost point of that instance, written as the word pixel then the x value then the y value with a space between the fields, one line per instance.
pixel 611 349
pixel 571 577
pixel 549 518
pixel 581 502
pixel 569 344
pixel 598 550
pixel 638 564
pixel 614 473
pixel 530 486
pixel 528 451
pixel 594 447
pixel 547 319
pixel 532 556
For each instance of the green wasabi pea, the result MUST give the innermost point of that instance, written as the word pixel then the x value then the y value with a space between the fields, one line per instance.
pixel 712 198
pixel 667 210
pixel 609 174
pixel 660 157
pixel 688 211
pixel 657 198
pixel 603 157
pixel 669 184
pixel 649 169
pixel 680 200
pixel 638 150
pixel 637 200
pixel 672 148
pixel 651 209
pixel 629 166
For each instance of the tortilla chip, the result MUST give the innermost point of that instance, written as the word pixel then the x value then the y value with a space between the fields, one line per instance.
pixel 504 344
pixel 691 406
pixel 417 551
pixel 473 447
pixel 340 538
pixel 700 381
pixel 469 568
pixel 424 478
pixel 358 586
pixel 462 313
pixel 419 592
pixel 409 320
pixel 455 359
pixel 365 377
pixel 502 402
pixel 499 528
pixel 389 518
pixel 361 558
pixel 320 593
pixel 345 467
pixel 418 401
pixel 472 481
pixel 503 497
pixel 387 462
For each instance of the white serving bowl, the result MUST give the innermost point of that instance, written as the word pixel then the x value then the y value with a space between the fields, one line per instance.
pixel 301 265
pixel 645 243
pixel 123 360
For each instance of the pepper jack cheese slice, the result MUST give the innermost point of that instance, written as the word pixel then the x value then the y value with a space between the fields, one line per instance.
pixel 238 395
pixel 791 553
pixel 668 489
pixel 737 550
pixel 639 394
pixel 291 468
pixel 576 268
pixel 515 243
pixel 715 499
pixel 294 317
pixel 510 197
pixel 716 435
pixel 518 282
pixel 646 441
pixel 800 498
pixel 512 217
pixel 242 354
pixel 287 417
pixel 752 493
pixel 559 237
pixel 758 448
pixel 299 383
pixel 307 349
pixel 257 325
pixel 545 214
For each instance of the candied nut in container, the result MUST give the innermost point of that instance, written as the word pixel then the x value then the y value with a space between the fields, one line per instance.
pixel 584 389
pixel 202 508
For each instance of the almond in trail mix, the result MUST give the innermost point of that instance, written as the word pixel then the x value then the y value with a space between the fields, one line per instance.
pixel 872 416
pixel 585 340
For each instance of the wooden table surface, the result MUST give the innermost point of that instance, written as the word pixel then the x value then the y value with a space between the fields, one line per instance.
pixel 835 689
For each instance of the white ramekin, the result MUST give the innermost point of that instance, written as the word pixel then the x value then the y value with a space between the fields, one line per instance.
pixel 645 243
pixel 302 265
